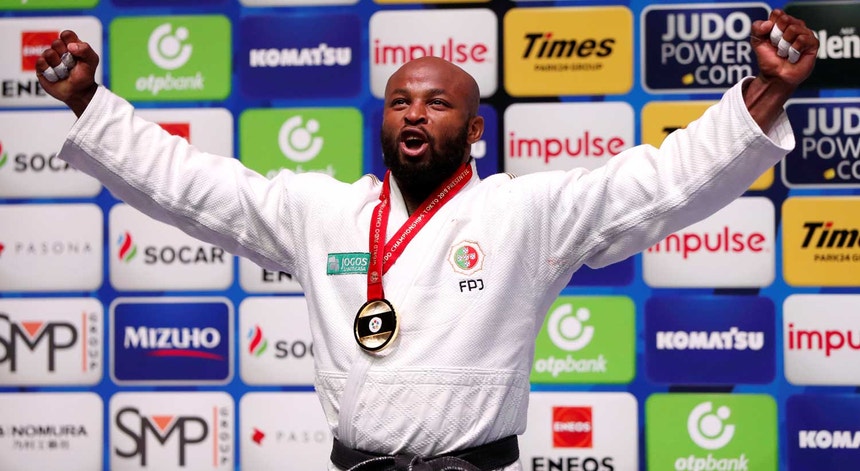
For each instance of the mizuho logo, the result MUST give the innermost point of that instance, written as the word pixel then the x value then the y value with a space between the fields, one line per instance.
pixel 707 429
pixel 297 140
pixel 566 329
pixel 166 49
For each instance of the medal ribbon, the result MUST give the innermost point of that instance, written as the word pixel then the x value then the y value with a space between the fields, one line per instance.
pixel 380 263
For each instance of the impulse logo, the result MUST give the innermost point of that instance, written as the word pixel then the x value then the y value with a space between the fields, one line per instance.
pixel 828 150
pixel 572 427
pixel 33 43
pixel 726 240
pixel 450 49
pixel 823 340
pixel 127 248
pixel 258 343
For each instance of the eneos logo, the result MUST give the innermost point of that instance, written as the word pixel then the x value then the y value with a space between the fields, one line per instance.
pixel 466 257
pixel 33 43
pixel 698 47
pixel 568 51
pixel 586 339
pixel 572 427
pixel 182 130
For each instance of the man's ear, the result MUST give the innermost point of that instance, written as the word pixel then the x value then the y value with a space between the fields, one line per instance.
pixel 476 129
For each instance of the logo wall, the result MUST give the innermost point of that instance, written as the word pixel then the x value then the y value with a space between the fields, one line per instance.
pixel 733 247
pixel 568 51
pixel 467 37
pixel 150 255
pixel 581 431
pixel 823 432
pixel 176 341
pixel 22 41
pixel 710 432
pixel 275 341
pixel 283 427
pixel 57 4
pixel 170 58
pixel 50 247
pixel 41 430
pixel 835 23
pixel 208 129
pixel 822 339
pixel 51 341
pixel 260 3
pixel 324 140
pixel 176 430
pixel 698 48
pixel 319 58
pixel 710 339
pixel 821 241
pixel 586 339
pixel 827 132
pixel 563 136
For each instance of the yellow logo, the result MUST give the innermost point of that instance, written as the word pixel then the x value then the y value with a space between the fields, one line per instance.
pixel 821 241
pixel 568 51
pixel 659 118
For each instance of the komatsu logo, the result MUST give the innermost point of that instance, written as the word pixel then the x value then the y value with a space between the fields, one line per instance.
pixel 322 55
pixel 826 439
pixel 732 339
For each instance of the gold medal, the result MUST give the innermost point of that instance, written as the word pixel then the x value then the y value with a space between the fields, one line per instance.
pixel 375 325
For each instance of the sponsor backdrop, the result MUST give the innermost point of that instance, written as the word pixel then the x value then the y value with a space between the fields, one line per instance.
pixel 127 345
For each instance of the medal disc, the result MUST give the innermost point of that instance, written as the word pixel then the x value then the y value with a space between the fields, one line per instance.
pixel 375 325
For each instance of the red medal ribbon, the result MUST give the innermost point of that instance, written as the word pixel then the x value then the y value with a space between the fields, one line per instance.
pixel 379 265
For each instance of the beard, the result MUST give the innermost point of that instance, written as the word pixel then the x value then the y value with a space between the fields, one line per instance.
pixel 418 180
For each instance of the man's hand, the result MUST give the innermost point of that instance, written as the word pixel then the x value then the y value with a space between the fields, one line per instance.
pixel 785 49
pixel 70 81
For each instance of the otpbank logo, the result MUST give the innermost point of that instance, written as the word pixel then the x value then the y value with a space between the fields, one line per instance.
pixel 710 339
pixel 467 37
pixel 579 431
pixel 149 255
pixel 568 51
pixel 586 339
pixel 822 339
pixel 662 118
pixel 276 347
pixel 698 48
pixel 709 432
pixel 172 430
pixel 324 140
pixel 22 41
pixel 827 132
pixel 51 341
pixel 563 136
pixel 171 340
pixel 319 58
pixel 821 241
pixel 46 4
pixel 835 23
pixel 733 247
pixel 171 58
pixel 823 432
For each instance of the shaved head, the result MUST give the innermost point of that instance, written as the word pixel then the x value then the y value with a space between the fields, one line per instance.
pixel 458 79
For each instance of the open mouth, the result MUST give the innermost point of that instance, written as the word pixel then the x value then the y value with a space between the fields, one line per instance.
pixel 413 143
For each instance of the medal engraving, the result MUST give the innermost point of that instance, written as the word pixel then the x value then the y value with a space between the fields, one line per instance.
pixel 375 325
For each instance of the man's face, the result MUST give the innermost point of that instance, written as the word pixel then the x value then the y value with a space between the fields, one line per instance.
pixel 425 126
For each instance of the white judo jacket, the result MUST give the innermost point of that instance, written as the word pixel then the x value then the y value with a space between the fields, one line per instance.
pixel 457 375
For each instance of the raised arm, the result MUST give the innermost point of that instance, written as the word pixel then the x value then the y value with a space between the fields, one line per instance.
pixel 67 71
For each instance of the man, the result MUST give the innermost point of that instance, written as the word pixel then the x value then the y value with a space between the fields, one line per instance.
pixel 409 365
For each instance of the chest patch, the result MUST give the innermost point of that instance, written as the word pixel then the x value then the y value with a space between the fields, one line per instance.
pixel 466 257
pixel 348 263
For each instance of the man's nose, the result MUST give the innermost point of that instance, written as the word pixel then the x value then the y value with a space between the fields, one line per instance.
pixel 415 113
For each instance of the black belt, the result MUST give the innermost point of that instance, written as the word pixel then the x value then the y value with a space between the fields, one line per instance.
pixel 487 457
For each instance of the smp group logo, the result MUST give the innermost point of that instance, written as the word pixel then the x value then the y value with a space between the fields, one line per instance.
pixel 568 51
pixel 733 247
pixel 29 166
pixel 823 432
pixel 822 339
pixel 171 58
pixel 256 279
pixel 467 37
pixel 827 132
pixel 710 432
pixel 176 430
pixel 22 41
pixel 51 431
pixel 282 427
pixel 564 136
pixel 324 140
pixel 51 341
pixel 698 48
pixel 275 341
pixel 50 247
pixel 821 241
pixel 319 58
pixel 208 129
pixel 710 339
pixel 586 339
pixel 152 256
pixel 662 118
pixel 581 431
pixel 835 23
pixel 171 340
